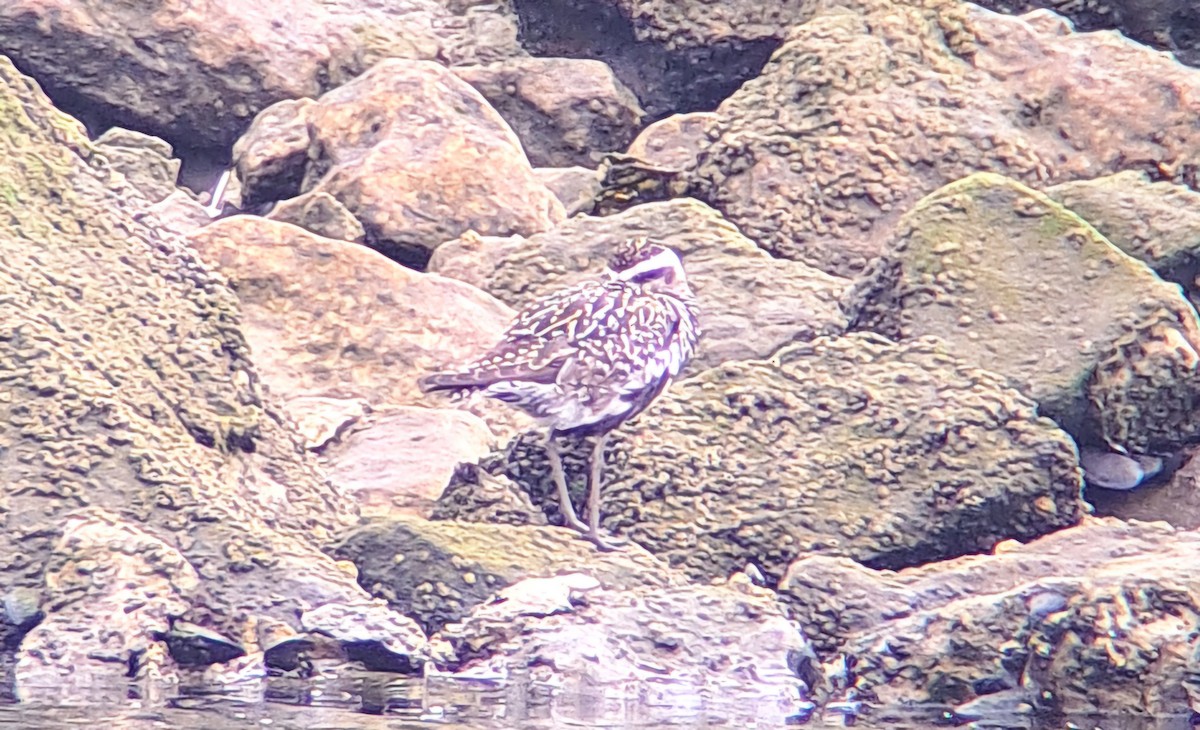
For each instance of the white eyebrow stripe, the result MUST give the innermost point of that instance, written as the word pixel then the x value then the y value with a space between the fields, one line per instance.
pixel 664 260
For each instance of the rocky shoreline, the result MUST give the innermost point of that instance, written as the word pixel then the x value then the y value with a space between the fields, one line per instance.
pixel 934 449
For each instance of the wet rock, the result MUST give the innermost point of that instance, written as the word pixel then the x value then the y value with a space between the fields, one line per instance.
pixel 192 645
pixel 666 644
pixel 1095 618
pixel 147 161
pixel 1104 346
pixel 566 111
pixel 146 473
pixel 865 110
pixel 437 572
pixel 413 152
pixel 401 459
pixel 891 454
pixel 332 319
pixel 1156 222
pixel 750 303
pixel 370 633
pixel 575 187
pixel 198 78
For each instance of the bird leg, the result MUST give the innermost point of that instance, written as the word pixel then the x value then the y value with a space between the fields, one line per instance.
pixel 597 470
pixel 560 481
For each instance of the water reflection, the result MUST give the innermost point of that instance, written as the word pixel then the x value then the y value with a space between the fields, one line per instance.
pixel 376 701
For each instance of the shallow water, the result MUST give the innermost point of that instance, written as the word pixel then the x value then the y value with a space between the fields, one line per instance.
pixel 384 701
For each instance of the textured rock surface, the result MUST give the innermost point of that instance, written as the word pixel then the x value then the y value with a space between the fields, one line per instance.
pixel 893 455
pixel 1169 25
pixel 198 76
pixel 126 387
pixel 438 571
pixel 1102 616
pixel 750 303
pixel 866 109
pixel 147 161
pixel 402 458
pixel 1157 222
pixel 674 142
pixel 575 187
pixel 415 153
pixel 666 74
pixel 337 320
pixel 1105 347
pixel 671 644
pixel 566 111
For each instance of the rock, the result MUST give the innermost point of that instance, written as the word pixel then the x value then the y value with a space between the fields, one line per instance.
pixel 669 69
pixel 198 78
pixel 675 142
pixel 322 214
pixel 476 495
pixel 750 303
pixel 1094 619
pixel 438 572
pixel 890 454
pixel 400 460
pixel 1103 345
pixel 336 320
pixel 145 474
pixel 566 111
pixel 1156 222
pixel 1168 25
pixel 413 152
pixel 666 645
pixel 179 213
pixel 147 161
pixel 575 187
pixel 865 110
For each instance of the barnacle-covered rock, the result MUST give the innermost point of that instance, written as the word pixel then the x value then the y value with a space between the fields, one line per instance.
pixel 749 303
pixel 871 105
pixel 438 571
pixel 892 454
pixel 145 473
pixel 1096 618
pixel 661 644
pixel 1156 222
pixel 1016 283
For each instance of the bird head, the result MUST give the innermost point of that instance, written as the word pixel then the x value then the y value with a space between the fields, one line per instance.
pixel 650 265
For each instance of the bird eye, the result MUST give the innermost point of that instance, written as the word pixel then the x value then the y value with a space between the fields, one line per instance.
pixel 650 275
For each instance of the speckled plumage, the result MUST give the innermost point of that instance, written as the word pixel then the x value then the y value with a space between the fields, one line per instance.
pixel 587 357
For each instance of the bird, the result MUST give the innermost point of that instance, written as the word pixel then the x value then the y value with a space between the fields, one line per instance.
pixel 586 358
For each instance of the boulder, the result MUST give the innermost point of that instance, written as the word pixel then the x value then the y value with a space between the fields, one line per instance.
pixel 332 319
pixel 147 161
pixel 870 106
pixel 890 454
pixel 664 645
pixel 412 151
pixel 575 187
pixel 146 474
pixel 439 571
pixel 197 77
pixel 566 111
pixel 1097 618
pixel 1016 283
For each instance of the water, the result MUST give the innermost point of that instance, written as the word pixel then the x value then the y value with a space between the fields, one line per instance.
pixel 385 701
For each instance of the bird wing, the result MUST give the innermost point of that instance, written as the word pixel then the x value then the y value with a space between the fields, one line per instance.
pixel 536 346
